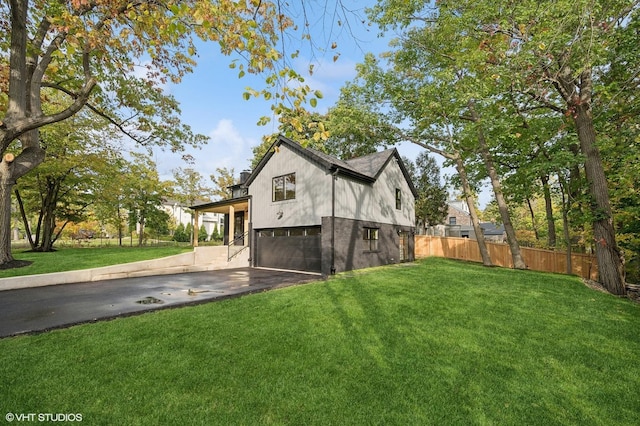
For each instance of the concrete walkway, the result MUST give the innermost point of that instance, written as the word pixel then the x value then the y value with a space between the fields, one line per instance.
pixel 42 308
pixel 200 259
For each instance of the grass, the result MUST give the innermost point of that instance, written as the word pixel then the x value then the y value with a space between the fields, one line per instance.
pixel 69 259
pixel 440 342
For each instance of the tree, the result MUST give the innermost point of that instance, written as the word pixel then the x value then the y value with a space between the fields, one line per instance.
pixel 215 234
pixel 180 235
pixel 618 128
pixel 144 192
pixel 188 231
pixel 68 182
pixel 431 205
pixel 222 180
pixel 549 57
pixel 88 50
pixel 110 205
pixel 189 188
pixel 202 233
pixel 157 220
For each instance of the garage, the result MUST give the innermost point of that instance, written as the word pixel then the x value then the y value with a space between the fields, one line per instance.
pixel 298 249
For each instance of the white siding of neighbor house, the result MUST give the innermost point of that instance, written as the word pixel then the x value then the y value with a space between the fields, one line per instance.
pixel 313 192
pixel 376 202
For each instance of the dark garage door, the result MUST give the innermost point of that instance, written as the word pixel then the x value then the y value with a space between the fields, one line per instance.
pixel 290 248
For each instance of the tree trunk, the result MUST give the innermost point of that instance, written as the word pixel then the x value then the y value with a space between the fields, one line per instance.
pixel 565 224
pixel 25 220
pixel 141 234
pixel 516 255
pixel 24 115
pixel 551 224
pixel 49 223
pixel 574 192
pixel 610 257
pixel 6 186
pixel 470 199
pixel 119 230
pixel 534 224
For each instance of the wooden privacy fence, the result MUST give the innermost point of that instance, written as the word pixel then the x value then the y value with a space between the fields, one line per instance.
pixel 582 265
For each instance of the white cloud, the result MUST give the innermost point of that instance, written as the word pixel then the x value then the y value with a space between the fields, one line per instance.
pixel 328 76
pixel 227 148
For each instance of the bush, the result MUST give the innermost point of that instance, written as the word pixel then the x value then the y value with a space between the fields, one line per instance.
pixel 215 235
pixel 202 233
pixel 180 235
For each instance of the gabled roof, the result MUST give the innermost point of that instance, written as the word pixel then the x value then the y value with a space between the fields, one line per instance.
pixel 454 207
pixel 372 164
pixel 366 169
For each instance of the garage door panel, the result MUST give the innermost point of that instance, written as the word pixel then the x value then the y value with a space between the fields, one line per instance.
pixel 299 252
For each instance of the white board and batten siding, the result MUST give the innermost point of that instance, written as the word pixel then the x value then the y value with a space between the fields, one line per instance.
pixel 374 202
pixel 313 192
pixel 377 202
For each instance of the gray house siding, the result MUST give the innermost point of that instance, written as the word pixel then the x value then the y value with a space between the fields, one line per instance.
pixel 313 189
pixel 376 201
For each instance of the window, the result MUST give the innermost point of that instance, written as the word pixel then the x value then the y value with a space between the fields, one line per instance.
pixel 313 231
pixel 296 232
pixel 284 187
pixel 452 220
pixel 371 238
pixel 398 199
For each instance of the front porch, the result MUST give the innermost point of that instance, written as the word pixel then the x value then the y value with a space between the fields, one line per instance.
pixel 236 220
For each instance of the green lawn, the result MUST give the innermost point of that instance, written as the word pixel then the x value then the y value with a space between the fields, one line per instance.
pixel 439 342
pixel 69 259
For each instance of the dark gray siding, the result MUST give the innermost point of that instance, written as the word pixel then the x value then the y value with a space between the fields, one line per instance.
pixel 352 251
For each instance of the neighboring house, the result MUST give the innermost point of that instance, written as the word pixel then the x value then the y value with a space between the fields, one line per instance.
pixel 306 210
pixel 458 213
pixel 493 232
pixel 458 224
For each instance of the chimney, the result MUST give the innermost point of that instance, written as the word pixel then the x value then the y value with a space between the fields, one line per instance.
pixel 244 175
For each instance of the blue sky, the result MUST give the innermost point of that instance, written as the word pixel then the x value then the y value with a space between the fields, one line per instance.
pixel 211 98
pixel 212 103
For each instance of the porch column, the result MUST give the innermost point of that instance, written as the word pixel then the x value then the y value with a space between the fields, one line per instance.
pixel 232 223
pixel 246 226
pixel 195 228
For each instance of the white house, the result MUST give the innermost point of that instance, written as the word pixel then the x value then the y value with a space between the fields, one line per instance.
pixel 181 214
pixel 306 210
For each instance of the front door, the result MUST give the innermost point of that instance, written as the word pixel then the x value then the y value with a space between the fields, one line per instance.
pixel 238 229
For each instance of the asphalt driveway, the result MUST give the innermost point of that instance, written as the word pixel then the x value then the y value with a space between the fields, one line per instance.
pixel 43 308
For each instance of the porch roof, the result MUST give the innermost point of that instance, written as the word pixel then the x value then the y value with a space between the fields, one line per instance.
pixel 222 206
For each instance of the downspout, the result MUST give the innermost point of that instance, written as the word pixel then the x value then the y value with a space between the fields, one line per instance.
pixel 334 175
pixel 250 236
